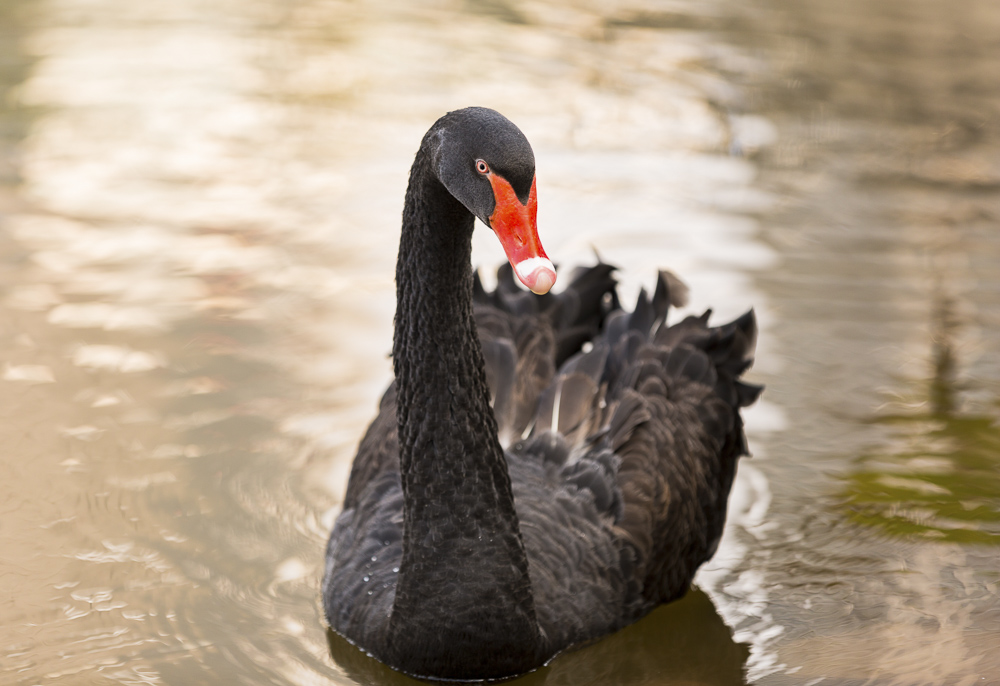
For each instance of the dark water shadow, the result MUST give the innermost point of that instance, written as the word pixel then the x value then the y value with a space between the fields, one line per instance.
pixel 685 642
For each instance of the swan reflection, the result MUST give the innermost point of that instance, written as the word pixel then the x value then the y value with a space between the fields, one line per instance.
pixel 685 642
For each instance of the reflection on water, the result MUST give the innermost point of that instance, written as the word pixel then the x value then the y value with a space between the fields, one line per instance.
pixel 682 643
pixel 941 480
pixel 198 214
pixel 879 566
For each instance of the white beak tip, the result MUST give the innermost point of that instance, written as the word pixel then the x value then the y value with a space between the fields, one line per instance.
pixel 537 273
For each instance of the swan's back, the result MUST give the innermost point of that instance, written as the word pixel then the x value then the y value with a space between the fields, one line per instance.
pixel 623 459
pixel 621 435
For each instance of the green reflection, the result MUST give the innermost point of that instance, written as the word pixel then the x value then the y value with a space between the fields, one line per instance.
pixel 15 65
pixel 942 480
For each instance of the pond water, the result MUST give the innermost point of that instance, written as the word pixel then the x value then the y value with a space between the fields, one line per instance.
pixel 199 209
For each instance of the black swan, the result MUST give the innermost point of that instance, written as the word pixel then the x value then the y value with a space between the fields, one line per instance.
pixel 546 468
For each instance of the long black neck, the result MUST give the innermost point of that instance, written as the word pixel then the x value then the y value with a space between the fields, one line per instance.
pixel 463 600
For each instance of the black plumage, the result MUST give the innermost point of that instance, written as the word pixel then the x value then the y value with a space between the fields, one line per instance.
pixel 545 469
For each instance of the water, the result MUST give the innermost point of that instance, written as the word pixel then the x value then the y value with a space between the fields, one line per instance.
pixel 199 204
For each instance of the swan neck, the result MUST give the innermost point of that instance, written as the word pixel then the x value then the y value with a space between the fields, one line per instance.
pixel 463 583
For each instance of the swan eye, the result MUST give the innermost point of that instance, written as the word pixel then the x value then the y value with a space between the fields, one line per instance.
pixel 482 167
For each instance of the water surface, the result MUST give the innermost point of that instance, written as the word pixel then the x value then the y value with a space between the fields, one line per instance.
pixel 199 206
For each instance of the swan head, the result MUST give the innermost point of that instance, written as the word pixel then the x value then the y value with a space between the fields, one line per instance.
pixel 487 164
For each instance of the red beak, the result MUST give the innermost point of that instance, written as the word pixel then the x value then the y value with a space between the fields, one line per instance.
pixel 515 225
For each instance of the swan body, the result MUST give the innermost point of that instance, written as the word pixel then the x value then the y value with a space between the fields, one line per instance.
pixel 546 468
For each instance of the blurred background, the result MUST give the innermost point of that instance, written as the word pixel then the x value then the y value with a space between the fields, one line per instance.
pixel 199 211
